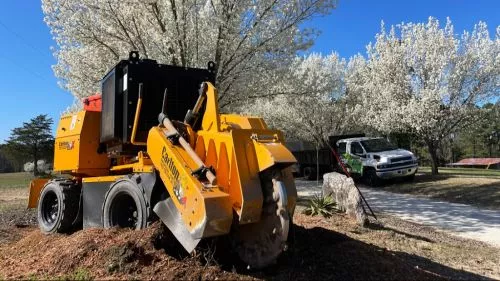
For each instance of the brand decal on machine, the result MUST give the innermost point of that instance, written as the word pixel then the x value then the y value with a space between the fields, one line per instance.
pixel 168 166
pixel 67 145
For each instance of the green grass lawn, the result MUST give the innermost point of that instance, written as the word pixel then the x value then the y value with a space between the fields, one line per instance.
pixel 15 180
pixel 14 190
pixel 462 171
pixel 476 188
pixel 479 187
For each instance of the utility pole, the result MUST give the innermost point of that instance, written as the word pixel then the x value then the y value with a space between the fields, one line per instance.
pixel 490 144
pixel 474 148
pixel 452 137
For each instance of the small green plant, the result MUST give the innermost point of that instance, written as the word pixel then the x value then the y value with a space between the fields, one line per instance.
pixel 31 277
pixel 81 274
pixel 321 205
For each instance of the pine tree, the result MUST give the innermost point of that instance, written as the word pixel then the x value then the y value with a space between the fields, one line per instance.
pixel 33 140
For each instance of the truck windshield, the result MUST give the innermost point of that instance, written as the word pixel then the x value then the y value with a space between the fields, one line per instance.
pixel 377 145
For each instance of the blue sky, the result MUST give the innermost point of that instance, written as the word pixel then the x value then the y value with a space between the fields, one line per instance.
pixel 28 86
pixel 349 28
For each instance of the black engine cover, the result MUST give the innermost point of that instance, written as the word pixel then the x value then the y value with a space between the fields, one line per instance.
pixel 120 89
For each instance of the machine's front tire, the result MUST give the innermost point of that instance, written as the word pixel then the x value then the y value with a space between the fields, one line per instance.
pixel 125 206
pixel 58 207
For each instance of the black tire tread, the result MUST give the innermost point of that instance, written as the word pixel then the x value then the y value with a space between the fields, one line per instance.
pixel 70 193
pixel 131 179
pixel 71 204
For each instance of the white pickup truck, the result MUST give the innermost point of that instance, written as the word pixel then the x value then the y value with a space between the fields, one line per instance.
pixel 376 159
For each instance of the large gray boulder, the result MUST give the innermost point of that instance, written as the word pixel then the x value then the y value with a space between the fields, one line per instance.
pixel 342 189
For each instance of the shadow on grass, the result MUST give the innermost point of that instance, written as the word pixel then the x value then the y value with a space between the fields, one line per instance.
pixel 319 254
pixel 378 226
pixel 322 254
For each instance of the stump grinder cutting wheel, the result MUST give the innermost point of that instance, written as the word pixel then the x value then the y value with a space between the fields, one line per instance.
pixel 259 244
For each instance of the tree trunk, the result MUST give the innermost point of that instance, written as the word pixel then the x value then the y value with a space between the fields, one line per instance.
pixel 432 147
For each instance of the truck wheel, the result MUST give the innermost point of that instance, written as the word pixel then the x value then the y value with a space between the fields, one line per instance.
pixel 371 178
pixel 125 206
pixel 410 178
pixel 58 207
pixel 309 173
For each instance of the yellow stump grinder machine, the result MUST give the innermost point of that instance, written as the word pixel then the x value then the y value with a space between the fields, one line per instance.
pixel 154 145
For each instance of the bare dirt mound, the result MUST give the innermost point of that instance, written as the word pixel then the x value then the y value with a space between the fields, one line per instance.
pixel 317 251
pixel 113 254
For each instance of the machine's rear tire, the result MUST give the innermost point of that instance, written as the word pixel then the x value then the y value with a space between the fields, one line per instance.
pixel 58 207
pixel 309 173
pixel 125 206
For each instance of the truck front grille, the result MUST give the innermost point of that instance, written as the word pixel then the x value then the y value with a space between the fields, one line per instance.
pixel 400 159
pixel 397 165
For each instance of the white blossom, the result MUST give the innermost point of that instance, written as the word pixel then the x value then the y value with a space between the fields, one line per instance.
pixel 248 40
pixel 427 81
pixel 310 101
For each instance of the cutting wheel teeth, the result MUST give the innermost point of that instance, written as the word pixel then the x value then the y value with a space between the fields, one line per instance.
pixel 259 244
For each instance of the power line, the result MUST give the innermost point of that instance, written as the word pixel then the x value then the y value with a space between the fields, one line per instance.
pixel 24 41
pixel 27 43
pixel 20 66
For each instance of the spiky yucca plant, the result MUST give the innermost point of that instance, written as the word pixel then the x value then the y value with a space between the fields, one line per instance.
pixel 321 205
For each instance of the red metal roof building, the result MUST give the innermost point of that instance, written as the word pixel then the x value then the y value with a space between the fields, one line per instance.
pixel 487 163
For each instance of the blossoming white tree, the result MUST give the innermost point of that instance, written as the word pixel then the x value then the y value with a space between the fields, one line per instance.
pixel 248 40
pixel 425 80
pixel 310 102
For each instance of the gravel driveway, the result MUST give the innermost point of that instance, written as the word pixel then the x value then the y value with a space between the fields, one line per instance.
pixel 460 219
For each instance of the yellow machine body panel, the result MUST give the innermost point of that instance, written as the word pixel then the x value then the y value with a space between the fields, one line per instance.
pixel 76 145
pixel 237 160
pixel 238 148
pixel 272 153
pixel 234 160
pixel 242 122
pixel 142 165
pixel 205 209
pixel 102 179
